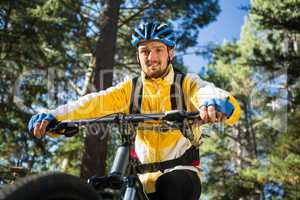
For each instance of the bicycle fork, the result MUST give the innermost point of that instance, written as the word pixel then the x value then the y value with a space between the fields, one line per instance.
pixel 134 188
pixel 117 176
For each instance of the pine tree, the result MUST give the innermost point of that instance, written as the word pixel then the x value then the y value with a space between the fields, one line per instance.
pixel 259 157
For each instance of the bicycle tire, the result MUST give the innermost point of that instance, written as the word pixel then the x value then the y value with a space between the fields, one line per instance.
pixel 49 186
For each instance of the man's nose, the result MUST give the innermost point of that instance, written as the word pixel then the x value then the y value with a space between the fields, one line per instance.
pixel 152 56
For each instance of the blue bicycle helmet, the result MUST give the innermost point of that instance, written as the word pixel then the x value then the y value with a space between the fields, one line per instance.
pixel 153 31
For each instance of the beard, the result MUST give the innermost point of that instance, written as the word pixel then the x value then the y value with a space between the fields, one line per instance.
pixel 154 70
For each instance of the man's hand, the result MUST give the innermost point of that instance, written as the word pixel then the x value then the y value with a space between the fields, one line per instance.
pixel 210 115
pixel 40 129
pixel 215 110
pixel 39 123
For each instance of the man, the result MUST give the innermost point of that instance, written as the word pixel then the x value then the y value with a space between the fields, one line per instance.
pixel 155 44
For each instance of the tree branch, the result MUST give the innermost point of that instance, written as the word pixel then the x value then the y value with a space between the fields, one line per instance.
pixel 125 21
pixel 87 79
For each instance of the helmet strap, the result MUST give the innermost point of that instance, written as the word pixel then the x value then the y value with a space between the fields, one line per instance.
pixel 169 59
pixel 138 59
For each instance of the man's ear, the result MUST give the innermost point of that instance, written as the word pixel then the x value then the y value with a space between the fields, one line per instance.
pixel 172 54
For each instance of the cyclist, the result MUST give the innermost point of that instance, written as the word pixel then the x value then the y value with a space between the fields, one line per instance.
pixel 158 89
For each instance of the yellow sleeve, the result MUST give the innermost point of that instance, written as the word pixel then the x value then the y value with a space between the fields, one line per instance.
pixel 198 91
pixel 112 100
pixel 236 112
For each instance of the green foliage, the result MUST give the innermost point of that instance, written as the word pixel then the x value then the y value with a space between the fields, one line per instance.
pixel 277 14
pixel 36 37
pixel 67 153
pixel 259 70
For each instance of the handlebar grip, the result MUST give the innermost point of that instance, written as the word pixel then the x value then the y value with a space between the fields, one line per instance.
pixel 176 115
pixel 65 129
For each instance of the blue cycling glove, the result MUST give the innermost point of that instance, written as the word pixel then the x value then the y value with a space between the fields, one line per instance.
pixel 38 118
pixel 221 105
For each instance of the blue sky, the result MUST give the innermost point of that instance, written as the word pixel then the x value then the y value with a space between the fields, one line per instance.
pixel 226 27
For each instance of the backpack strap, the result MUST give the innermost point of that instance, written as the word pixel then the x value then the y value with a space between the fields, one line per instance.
pixel 176 92
pixel 190 158
pixel 136 96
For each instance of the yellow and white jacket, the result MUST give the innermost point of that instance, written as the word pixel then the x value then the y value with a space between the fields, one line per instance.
pixel 150 146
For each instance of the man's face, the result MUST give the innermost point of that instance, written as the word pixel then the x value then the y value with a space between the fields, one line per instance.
pixel 153 56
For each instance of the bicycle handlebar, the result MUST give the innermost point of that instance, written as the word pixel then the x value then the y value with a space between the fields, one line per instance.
pixel 172 116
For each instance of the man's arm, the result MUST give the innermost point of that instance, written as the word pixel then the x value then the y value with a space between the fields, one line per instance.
pixel 214 104
pixel 112 100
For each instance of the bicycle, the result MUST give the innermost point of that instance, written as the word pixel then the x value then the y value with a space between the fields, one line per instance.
pixel 122 181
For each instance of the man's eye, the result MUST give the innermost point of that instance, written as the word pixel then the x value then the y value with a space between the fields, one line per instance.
pixel 143 51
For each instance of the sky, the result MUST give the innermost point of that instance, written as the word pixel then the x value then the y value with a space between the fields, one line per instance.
pixel 226 27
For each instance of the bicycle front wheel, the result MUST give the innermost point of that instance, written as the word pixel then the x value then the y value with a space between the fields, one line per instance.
pixel 49 186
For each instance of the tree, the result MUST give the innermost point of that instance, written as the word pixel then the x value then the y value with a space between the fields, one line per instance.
pixel 33 39
pixel 230 150
pixel 281 19
pixel 261 149
pixel 96 149
pixel 56 39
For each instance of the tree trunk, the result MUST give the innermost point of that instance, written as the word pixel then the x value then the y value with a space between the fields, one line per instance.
pixel 94 158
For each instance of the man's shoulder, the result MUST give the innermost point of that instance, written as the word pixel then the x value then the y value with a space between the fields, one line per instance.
pixel 123 84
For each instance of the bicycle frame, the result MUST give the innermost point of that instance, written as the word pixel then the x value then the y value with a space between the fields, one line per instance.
pixel 122 171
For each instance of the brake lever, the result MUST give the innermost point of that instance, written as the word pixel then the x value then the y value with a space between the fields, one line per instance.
pixel 71 131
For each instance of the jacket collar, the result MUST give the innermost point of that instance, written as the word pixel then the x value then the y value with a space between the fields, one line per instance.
pixel 168 78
